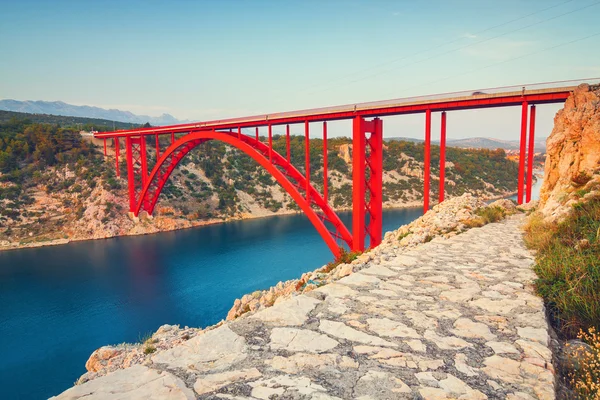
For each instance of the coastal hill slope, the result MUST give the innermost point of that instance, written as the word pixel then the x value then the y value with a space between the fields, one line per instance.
pixel 56 185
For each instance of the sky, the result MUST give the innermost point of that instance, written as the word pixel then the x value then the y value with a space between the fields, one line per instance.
pixel 204 60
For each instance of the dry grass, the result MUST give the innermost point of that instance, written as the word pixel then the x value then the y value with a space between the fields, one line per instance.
pixel 538 233
pixel 568 267
pixel 484 216
pixel 585 379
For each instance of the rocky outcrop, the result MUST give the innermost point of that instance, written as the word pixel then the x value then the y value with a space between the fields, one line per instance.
pixel 449 319
pixel 446 219
pixel 345 153
pixel 573 153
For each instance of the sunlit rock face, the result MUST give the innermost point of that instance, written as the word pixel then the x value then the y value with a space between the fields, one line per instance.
pixel 573 152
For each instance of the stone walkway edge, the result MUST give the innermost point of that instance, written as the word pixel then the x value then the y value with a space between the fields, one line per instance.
pixel 454 318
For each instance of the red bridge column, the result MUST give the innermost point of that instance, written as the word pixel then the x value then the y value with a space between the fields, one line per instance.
pixel 307 159
pixel 270 143
pixel 361 160
pixel 130 177
pixel 530 151
pixel 117 155
pixel 325 183
pixel 522 152
pixel 143 158
pixel 442 187
pixel 287 143
pixel 358 184
pixel 375 183
pixel 426 161
pixel 157 146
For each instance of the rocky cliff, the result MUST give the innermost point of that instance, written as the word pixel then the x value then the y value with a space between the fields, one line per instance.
pixel 572 169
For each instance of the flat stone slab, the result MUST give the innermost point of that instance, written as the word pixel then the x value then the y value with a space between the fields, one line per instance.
pixel 290 312
pixel 214 350
pixel 137 382
pixel 450 319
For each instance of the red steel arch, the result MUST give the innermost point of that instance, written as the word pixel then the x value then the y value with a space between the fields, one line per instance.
pixel 277 165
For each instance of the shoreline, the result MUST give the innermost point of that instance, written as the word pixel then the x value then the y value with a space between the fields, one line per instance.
pixel 199 224
pixel 110 358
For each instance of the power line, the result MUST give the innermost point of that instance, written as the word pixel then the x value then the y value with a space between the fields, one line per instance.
pixel 445 43
pixel 471 44
pixel 504 62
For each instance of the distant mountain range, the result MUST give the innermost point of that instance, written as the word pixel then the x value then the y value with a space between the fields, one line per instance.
pixel 61 108
pixel 482 143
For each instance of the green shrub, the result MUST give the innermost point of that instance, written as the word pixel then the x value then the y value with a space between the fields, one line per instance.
pixel 491 214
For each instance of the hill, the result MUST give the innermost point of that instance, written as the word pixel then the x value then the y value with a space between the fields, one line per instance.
pixel 54 184
pixel 481 143
pixel 81 123
pixel 64 109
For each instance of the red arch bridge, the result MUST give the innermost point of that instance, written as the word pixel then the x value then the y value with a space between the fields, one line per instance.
pixel 146 182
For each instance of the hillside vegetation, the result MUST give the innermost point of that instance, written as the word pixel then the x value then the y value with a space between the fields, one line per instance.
pixel 56 184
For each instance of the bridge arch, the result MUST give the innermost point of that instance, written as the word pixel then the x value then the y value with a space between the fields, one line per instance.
pixel 277 165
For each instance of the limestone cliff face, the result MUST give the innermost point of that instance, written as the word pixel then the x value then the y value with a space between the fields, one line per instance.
pixel 573 152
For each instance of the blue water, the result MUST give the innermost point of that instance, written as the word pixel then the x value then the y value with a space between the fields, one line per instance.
pixel 58 304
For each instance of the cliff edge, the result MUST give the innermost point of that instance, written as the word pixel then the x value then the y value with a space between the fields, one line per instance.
pixel 572 168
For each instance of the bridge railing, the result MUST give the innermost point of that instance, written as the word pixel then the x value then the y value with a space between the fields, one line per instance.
pixel 558 86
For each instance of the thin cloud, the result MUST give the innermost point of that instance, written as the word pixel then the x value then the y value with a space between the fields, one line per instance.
pixel 499 50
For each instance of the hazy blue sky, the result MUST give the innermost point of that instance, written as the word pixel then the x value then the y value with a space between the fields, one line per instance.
pixel 203 60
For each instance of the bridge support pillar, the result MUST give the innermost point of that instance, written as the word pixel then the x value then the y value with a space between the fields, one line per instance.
pixel 137 170
pixel 130 177
pixel 367 182
pixel 117 156
pixel 325 182
pixel 157 146
pixel 427 161
pixel 530 151
pixel 442 187
pixel 522 152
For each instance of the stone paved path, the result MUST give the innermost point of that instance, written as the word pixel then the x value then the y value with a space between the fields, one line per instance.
pixel 451 319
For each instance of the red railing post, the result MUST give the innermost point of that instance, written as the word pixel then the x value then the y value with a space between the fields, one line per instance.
pixel 307 159
pixel 375 183
pixel 239 132
pixel 442 186
pixel 172 137
pixel 257 139
pixel 426 161
pixel 270 143
pixel 358 184
pixel 117 155
pixel 287 143
pixel 143 159
pixel 157 147
pixel 130 177
pixel 325 183
pixel 522 152
pixel 530 152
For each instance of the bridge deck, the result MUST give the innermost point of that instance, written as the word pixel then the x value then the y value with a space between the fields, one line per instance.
pixel 485 98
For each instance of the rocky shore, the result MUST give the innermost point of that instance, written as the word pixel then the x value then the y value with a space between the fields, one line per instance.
pixel 430 313
pixel 126 225
pixel 443 222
